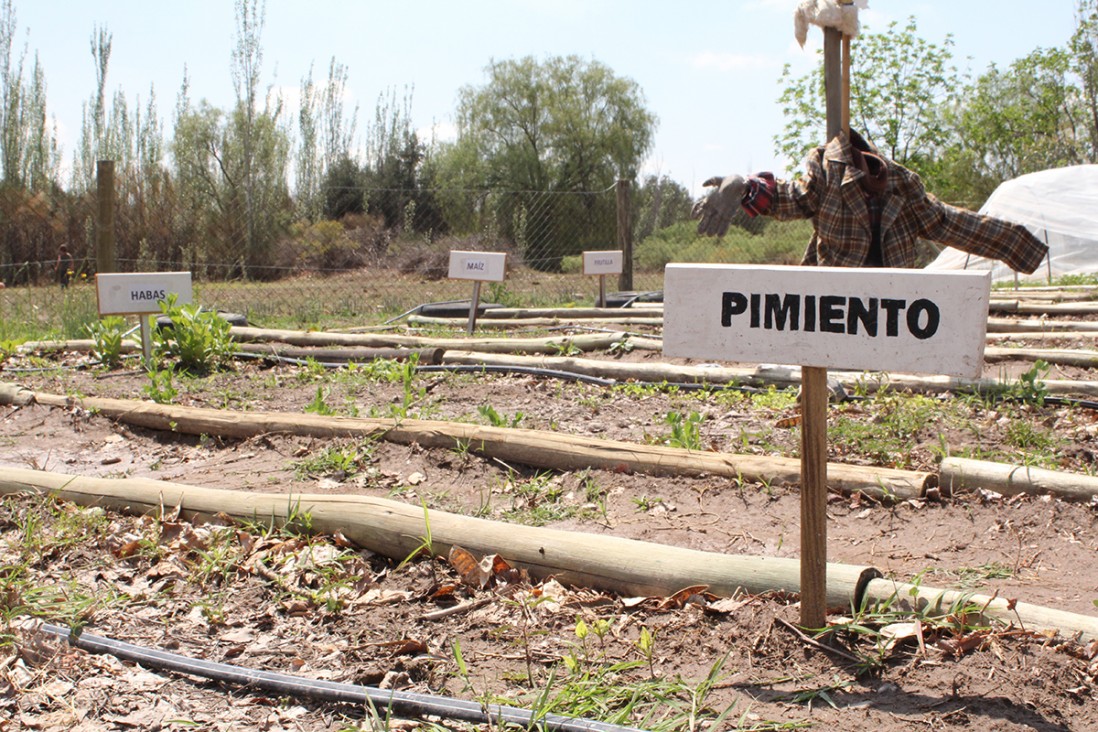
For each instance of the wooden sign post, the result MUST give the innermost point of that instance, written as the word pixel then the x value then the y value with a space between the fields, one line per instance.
pixel 820 318
pixel 478 267
pixel 140 293
pixel 602 263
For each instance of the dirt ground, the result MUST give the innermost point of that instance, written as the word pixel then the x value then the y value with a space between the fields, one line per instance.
pixel 318 608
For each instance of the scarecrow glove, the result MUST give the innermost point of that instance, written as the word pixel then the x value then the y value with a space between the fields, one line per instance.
pixel 716 210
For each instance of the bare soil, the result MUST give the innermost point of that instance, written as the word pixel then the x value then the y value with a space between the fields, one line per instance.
pixel 268 607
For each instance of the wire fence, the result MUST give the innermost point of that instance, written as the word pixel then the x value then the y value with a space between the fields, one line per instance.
pixel 283 269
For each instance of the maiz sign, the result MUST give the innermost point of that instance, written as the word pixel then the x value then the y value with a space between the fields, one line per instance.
pixel 136 293
pixel 480 266
pixel 830 317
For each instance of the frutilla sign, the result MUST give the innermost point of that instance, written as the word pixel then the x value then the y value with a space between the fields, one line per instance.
pixel 139 293
pixel 830 317
pixel 608 262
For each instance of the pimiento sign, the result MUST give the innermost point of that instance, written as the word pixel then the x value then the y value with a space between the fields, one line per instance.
pixel 831 317
pixel 136 293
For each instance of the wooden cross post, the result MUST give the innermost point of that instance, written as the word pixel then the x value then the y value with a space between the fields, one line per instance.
pixel 814 385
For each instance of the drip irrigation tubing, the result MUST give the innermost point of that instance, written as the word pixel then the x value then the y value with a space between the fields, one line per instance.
pixel 401 702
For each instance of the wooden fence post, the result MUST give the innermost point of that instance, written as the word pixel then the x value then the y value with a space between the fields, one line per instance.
pixel 625 234
pixel 105 257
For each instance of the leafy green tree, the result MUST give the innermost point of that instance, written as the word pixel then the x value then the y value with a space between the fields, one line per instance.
pixel 326 136
pixel 258 146
pixel 899 83
pixel 562 126
pixel 230 168
pixel 658 203
pixel 1008 123
pixel 30 222
pixel 210 171
pixel 343 190
pixel 29 158
pixel 1083 49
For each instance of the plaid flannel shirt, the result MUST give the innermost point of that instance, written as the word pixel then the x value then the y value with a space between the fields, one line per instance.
pixel 830 195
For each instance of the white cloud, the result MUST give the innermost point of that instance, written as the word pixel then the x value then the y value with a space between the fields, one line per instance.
pixel 437 132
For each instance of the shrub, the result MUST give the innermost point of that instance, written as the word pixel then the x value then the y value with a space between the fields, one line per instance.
pixel 198 338
pixel 782 242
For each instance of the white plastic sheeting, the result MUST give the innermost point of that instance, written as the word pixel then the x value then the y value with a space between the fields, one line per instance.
pixel 1060 207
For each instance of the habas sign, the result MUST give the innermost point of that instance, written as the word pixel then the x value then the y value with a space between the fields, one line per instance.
pixel 830 317
pixel 135 293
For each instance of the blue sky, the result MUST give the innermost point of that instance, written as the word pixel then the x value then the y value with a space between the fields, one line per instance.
pixel 709 71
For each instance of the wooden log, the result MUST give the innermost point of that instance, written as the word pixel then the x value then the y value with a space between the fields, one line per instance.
pixel 556 344
pixel 1055 294
pixel 917 597
pixel 536 448
pixel 963 474
pixel 1058 356
pixel 1055 336
pixel 651 310
pixel 1009 325
pixel 79 345
pixel 423 355
pixel 396 530
pixel 646 371
pixel 1046 308
pixel 759 376
pixel 509 323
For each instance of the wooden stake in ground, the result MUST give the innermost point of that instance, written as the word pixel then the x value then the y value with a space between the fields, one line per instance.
pixel 814 389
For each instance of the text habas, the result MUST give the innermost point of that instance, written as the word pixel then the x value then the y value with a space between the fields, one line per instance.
pixel 147 295
pixel 832 313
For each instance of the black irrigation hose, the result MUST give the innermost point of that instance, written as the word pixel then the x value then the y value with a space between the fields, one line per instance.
pixel 401 702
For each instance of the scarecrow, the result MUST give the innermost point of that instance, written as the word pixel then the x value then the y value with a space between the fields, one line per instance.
pixel 866 210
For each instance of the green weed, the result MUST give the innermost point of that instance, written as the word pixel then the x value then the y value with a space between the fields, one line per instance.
pixel 685 431
pixel 198 338
pixel 159 387
pixel 495 419
pixel 107 335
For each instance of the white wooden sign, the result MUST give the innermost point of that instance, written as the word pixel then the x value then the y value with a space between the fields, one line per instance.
pixel 831 317
pixel 136 293
pixel 480 266
pixel 602 262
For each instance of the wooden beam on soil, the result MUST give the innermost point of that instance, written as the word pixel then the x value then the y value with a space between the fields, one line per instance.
pixel 555 344
pixel 1043 308
pixel 1010 325
pixel 509 323
pixel 625 566
pixel 536 448
pixel 962 474
pixel 756 376
pixel 915 597
pixel 1056 356
pixel 431 356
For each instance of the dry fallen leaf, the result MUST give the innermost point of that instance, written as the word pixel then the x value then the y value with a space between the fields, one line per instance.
pixel 470 571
